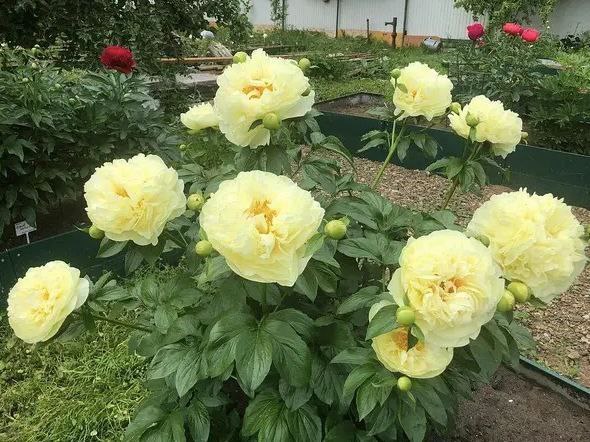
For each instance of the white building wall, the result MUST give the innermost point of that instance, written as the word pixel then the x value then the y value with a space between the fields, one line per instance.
pixel 259 13
pixel 437 18
pixel 354 14
pixel 311 14
pixel 570 17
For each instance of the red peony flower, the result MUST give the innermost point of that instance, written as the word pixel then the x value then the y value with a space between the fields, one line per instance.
pixel 118 58
pixel 530 35
pixel 512 28
pixel 475 31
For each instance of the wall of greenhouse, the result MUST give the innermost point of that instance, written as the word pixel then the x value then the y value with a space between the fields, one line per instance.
pixel 423 17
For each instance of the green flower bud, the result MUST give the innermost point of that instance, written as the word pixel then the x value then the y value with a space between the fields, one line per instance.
pixel 306 92
pixel 506 303
pixel 203 248
pixel 471 120
pixel 455 107
pixel 404 383
pixel 304 64
pixel 182 147
pixel 34 65
pixel 335 229
pixel 396 73
pixel 240 57
pixel 520 291
pixel 195 201
pixel 95 233
pixel 405 316
pixel 524 135
pixel 271 121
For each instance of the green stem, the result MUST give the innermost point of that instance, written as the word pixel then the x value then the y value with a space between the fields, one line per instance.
pixel 450 192
pixel 394 142
pixel 121 323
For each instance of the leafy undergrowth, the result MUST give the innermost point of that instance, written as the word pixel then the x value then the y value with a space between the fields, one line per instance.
pixel 76 391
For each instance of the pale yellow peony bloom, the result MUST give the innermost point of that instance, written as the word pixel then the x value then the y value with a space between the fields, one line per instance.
pixel 260 223
pixel 426 93
pixel 535 239
pixel 200 116
pixel 423 361
pixel 134 199
pixel 502 128
pixel 452 283
pixel 39 303
pixel 250 90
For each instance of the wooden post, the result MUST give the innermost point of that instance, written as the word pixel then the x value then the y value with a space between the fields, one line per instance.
pixel 368 32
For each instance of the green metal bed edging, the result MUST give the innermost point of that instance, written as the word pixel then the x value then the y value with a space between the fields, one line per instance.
pixel 541 170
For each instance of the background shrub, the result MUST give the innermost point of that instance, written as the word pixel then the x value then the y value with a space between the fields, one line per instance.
pixel 56 126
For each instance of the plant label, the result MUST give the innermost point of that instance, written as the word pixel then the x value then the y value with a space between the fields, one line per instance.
pixel 23 228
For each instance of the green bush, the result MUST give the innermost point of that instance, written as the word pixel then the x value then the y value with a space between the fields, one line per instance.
pixel 56 126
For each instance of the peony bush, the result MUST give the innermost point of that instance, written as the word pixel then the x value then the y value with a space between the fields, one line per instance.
pixel 307 307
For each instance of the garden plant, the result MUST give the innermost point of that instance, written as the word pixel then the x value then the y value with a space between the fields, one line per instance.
pixel 307 307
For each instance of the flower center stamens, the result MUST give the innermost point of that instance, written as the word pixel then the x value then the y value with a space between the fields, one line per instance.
pixel 264 215
pixel 256 88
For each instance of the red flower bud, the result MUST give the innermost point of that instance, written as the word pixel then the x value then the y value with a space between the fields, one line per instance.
pixel 118 58
pixel 530 35
pixel 512 28
pixel 475 31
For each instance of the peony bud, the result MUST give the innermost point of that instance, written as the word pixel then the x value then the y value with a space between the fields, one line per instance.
pixel 95 233
pixel 404 383
pixel 306 92
pixel 182 147
pixel 240 57
pixel 271 121
pixel 195 201
pixel 524 135
pixel 34 65
pixel 396 73
pixel 203 248
pixel 471 120
pixel 455 108
pixel 335 229
pixel 304 64
pixel 405 316
pixel 520 291
pixel 506 302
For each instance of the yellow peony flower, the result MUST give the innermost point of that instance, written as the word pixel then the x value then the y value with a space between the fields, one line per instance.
pixel 39 303
pixel 200 116
pixel 535 239
pixel 423 361
pixel 260 223
pixel 426 93
pixel 250 90
pixel 451 282
pixel 502 128
pixel 134 199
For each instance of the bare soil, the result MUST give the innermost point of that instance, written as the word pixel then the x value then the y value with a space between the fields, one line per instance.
pixel 562 329
pixel 513 408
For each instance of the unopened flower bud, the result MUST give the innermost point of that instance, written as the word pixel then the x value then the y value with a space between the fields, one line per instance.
pixel 396 73
pixel 203 248
pixel 335 229
pixel 195 201
pixel 182 147
pixel 95 233
pixel 240 57
pixel 455 107
pixel 404 383
pixel 34 65
pixel 471 120
pixel 306 92
pixel 304 64
pixel 271 121
pixel 405 316
pixel 506 303
pixel 524 135
pixel 520 291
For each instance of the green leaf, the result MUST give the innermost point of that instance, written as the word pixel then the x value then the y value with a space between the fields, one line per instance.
pixel 307 284
pixel 402 148
pixel 291 356
pixel 191 369
pixel 367 397
pixel 485 356
pixel 384 321
pixel 327 381
pixel 382 419
pixel 304 425
pixel 253 357
pixel 302 323
pixel 110 248
pixel 198 421
pixel 342 432
pixel 166 361
pixel 356 378
pixel 266 415
pixel 365 297
pixel 413 422
pixel 314 244
pixel 360 248
pixel 164 316
pixel 145 418
pixel 354 356
pixel 294 397
pixel 216 268
pixel 429 399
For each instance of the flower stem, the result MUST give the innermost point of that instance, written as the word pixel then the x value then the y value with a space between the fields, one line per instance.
pixel 394 142
pixel 121 323
pixel 450 193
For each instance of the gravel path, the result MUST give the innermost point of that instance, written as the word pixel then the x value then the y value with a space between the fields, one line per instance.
pixel 562 329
